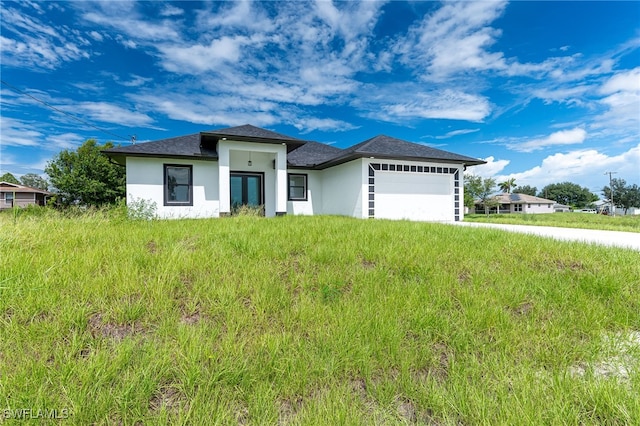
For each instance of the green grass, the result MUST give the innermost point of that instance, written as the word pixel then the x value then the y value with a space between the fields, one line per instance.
pixel 566 220
pixel 311 320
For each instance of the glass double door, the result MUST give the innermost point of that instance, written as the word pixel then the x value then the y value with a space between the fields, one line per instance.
pixel 246 190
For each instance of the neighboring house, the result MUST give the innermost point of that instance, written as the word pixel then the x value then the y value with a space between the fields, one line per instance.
pixel 561 208
pixel 519 203
pixel 604 207
pixel 209 174
pixel 12 194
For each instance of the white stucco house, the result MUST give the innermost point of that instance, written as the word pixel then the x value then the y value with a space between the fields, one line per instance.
pixel 208 174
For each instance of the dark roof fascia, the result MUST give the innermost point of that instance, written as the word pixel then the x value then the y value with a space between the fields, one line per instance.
pixel 354 156
pixel 116 156
pixel 290 143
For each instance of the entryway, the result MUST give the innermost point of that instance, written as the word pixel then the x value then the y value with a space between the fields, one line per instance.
pixel 247 189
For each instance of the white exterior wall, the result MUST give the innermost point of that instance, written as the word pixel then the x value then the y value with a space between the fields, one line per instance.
pixel 313 205
pixel 343 187
pixel 415 195
pixel 235 156
pixel 535 208
pixel 145 181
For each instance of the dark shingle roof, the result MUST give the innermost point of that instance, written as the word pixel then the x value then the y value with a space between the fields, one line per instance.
pixel 249 131
pixel 387 147
pixel 300 153
pixel 313 153
pixel 181 146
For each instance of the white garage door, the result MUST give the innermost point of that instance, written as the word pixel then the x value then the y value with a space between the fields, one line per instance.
pixel 414 196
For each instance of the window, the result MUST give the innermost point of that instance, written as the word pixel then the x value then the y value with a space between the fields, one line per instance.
pixel 178 185
pixel 297 187
pixel 8 197
pixel 517 207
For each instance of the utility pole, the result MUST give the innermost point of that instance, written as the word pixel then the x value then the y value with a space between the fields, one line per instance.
pixel 613 206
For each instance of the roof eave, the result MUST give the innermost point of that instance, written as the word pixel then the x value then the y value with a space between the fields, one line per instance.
pixel 354 156
pixel 120 156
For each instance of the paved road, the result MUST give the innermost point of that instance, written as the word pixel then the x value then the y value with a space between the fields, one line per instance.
pixel 629 240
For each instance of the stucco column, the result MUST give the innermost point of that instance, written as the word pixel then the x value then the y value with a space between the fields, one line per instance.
pixel 281 180
pixel 224 181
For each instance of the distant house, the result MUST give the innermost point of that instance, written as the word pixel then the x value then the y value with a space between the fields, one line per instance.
pixel 561 208
pixel 12 194
pixel 519 203
pixel 212 173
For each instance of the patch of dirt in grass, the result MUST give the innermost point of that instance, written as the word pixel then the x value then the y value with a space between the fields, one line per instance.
pixel 522 309
pixel 187 280
pixel 407 410
pixel 620 356
pixel 168 397
pixel 288 409
pixel 189 243
pixel 464 276
pixel 573 265
pixel 359 387
pixel 242 415
pixel 99 328
pixel 84 353
pixel 192 318
pixel 8 314
pixel 152 247
pixel 367 264
pixel 440 370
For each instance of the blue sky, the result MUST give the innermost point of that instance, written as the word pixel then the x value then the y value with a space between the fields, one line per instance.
pixel 544 91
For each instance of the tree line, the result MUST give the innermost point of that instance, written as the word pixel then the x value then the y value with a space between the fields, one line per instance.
pixel 571 194
pixel 83 177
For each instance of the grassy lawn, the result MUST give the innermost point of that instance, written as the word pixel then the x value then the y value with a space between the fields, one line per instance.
pixel 565 220
pixel 313 320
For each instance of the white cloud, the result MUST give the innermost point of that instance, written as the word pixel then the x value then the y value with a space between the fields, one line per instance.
pixel 96 36
pixel 562 137
pixel 242 14
pixel 454 39
pixel 169 10
pixel 110 113
pixel 18 133
pixel 446 104
pixel 622 104
pixel 569 95
pixel 196 59
pixel 625 81
pixel 124 17
pixel 211 110
pixel 490 169
pixel 30 43
pixel 65 140
pixel 584 167
pixel 135 81
pixel 309 124
pixel 457 133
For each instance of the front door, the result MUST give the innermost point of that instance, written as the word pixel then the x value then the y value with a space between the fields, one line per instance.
pixel 246 190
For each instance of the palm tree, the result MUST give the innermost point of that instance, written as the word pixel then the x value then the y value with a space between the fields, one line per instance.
pixel 507 185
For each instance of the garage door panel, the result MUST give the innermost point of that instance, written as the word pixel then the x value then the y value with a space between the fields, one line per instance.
pixel 414 196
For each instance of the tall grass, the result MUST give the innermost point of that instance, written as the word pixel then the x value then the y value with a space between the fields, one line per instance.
pixel 311 320
pixel 628 223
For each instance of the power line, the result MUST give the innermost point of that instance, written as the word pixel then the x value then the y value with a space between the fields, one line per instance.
pixel 86 123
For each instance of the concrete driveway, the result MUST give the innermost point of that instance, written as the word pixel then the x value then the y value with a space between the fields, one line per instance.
pixel 630 240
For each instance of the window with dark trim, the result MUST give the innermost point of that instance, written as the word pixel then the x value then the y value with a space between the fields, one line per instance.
pixel 297 187
pixel 178 185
